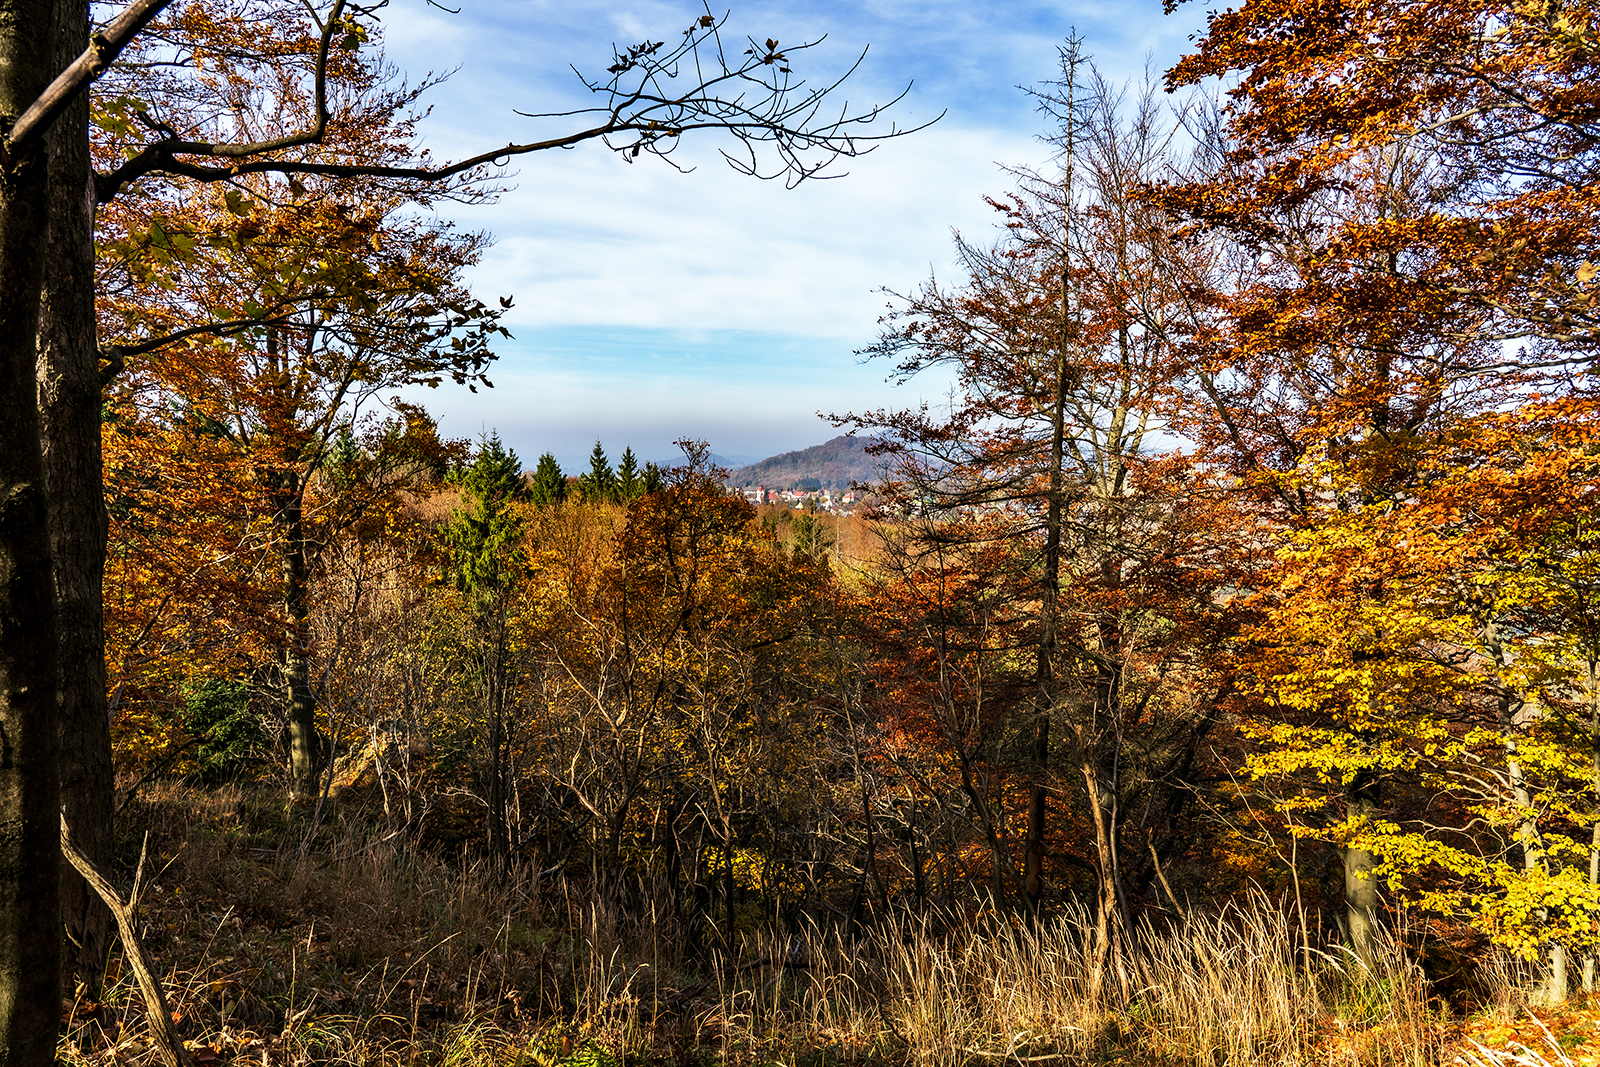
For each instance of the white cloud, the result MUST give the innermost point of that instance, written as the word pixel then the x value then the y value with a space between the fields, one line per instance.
pixel 634 282
pixel 587 239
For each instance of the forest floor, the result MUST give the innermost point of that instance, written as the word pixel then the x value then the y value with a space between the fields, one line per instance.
pixel 1567 1035
pixel 288 938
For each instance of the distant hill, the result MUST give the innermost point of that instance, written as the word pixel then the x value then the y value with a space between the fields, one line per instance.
pixel 834 465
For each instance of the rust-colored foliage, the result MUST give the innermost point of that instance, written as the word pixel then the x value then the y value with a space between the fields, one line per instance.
pixel 1390 352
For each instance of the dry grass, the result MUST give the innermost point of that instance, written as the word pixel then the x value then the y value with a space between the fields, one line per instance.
pixel 355 950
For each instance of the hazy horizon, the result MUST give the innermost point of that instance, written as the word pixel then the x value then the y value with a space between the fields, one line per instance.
pixel 653 305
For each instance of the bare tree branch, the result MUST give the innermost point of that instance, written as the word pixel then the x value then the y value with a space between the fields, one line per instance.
pixel 754 98
pixel 158 1015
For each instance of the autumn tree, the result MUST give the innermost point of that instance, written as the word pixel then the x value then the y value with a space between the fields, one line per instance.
pixel 1497 97
pixel 1405 194
pixel 1059 340
pixel 30 942
pixel 642 117
pixel 680 663
pixel 359 302
pixel 944 621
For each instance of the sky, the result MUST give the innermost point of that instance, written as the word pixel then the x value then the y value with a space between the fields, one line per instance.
pixel 652 305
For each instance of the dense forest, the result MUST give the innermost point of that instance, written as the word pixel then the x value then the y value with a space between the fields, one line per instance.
pixel 1213 680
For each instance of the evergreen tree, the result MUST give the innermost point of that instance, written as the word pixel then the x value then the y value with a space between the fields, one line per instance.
pixel 344 457
pixel 483 539
pixel 600 483
pixel 812 537
pixel 549 483
pixel 630 485
pixel 487 554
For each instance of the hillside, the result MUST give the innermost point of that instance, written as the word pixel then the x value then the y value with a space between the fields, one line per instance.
pixel 834 464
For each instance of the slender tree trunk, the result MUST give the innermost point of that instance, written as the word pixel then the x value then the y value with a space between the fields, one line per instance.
pixel 1535 860
pixel 1594 788
pixel 1109 920
pixel 1361 793
pixel 1002 864
pixel 729 938
pixel 1044 668
pixel 69 406
pixel 499 848
pixel 671 810
pixel 305 742
pixel 494 670
pixel 919 878
pixel 1360 881
pixel 1050 580
pixel 30 806
pixel 1108 759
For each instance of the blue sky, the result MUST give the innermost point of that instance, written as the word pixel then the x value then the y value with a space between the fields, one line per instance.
pixel 653 305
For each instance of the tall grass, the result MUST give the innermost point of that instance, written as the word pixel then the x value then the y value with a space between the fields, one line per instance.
pixel 359 951
pixel 1219 990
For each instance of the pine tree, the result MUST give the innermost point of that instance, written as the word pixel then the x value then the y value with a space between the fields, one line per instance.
pixel 549 483
pixel 630 485
pixel 485 543
pixel 600 483
pixel 481 538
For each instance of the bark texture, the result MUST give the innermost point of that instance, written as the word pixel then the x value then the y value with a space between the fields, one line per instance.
pixel 1360 865
pixel 305 742
pixel 30 930
pixel 69 407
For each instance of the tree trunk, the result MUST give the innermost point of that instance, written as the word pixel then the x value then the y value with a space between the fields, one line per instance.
pixel 1556 987
pixel 1110 922
pixel 305 743
pixel 1050 581
pixel 1594 790
pixel 1360 882
pixel 1044 666
pixel 30 816
pixel 1108 724
pixel 1535 860
pixel 69 405
pixel 498 831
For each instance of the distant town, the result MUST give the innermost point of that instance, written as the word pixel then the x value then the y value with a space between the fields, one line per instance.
pixel 801 499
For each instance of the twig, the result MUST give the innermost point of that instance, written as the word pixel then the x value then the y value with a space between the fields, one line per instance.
pixel 1170 894
pixel 163 1032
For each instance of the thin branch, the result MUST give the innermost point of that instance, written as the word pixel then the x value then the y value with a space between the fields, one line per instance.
pixel 642 117
pixel 159 1017
pixel 116 356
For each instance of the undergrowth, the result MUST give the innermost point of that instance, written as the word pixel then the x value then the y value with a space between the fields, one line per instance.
pixel 282 943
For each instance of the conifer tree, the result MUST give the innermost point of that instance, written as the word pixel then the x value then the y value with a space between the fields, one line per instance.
pixel 549 483
pixel 482 537
pixel 600 483
pixel 630 485
pixel 485 544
